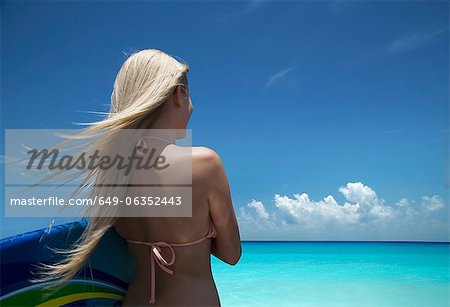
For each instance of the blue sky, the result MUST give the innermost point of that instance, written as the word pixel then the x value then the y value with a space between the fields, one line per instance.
pixel 302 100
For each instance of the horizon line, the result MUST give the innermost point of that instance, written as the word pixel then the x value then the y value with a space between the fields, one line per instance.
pixel 340 241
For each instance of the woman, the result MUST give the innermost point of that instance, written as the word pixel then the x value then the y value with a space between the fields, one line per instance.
pixel 151 91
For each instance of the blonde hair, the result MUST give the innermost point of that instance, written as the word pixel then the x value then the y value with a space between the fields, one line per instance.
pixel 145 81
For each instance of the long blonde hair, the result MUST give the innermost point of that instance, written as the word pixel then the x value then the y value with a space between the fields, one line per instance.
pixel 145 81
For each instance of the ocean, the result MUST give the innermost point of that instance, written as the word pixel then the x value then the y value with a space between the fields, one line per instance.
pixel 336 274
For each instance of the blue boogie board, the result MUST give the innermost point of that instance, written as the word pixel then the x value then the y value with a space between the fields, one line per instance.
pixel 102 282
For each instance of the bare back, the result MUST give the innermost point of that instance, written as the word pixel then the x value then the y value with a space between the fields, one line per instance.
pixel 192 283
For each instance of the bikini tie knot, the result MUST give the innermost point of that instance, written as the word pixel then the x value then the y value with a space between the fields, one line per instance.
pixel 155 256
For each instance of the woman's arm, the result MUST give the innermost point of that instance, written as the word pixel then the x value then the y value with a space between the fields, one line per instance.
pixel 227 244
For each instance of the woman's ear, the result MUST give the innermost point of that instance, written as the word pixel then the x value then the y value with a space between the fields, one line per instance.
pixel 178 94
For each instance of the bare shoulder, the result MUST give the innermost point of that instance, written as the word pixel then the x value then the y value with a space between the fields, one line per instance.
pixel 203 154
pixel 205 161
pixel 200 156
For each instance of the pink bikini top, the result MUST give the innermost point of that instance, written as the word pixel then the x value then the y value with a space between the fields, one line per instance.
pixel 155 255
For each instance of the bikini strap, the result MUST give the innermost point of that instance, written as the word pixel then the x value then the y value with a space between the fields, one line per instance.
pixel 210 234
pixel 156 256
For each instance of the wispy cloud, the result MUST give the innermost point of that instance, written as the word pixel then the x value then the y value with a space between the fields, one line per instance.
pixel 250 7
pixel 277 76
pixel 395 131
pixel 339 5
pixel 415 40
pixel 363 211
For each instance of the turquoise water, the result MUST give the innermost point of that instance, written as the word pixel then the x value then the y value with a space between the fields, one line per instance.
pixel 336 274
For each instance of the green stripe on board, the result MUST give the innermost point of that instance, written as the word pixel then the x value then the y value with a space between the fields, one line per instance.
pixel 72 298
pixel 35 296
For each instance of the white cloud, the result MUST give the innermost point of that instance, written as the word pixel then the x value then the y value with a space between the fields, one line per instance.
pixel 403 202
pixel 432 203
pixel 252 218
pixel 370 206
pixel 311 214
pixel 358 193
pixel 260 209
pixel 362 211
pixel 362 204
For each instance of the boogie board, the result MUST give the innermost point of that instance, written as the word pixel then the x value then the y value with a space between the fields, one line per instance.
pixel 103 281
